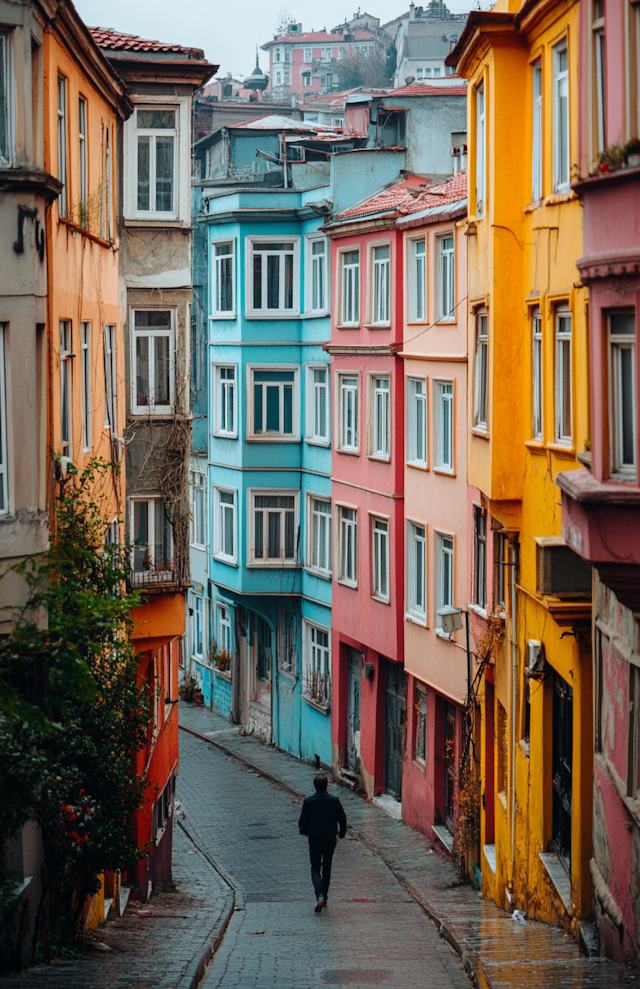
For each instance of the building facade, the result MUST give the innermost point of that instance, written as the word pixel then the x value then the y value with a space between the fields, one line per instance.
pixel 423 38
pixel 300 63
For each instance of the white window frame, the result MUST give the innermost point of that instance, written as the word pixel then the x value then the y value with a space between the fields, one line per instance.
pixel 537 377
pixel 63 143
pixel 197 627
pixel 151 534
pixel 220 509
pixel 445 547
pixel 481 371
pixel 308 55
pixel 86 370
pixel 223 622
pixel 152 333
pixel 217 312
pixel 6 159
pixel 83 111
pixel 416 407
pixel 4 453
pixel 306 78
pixel 380 568
pixel 416 603
pixel 617 343
pixel 265 313
pixel 347 545
pixel 273 437
pixel 66 387
pixel 561 167
pixel 536 136
pixel 311 652
pixel 197 482
pixel 445 278
pixel 380 285
pixel 481 150
pixel 562 338
pixel 417 278
pixel 110 379
pixel 444 412
pixel 270 562
pixel 315 537
pixel 327 54
pixel 317 279
pixel 480 558
pixel 380 417
pixel 221 388
pixel 599 72
pixel 347 414
pixel 313 396
pixel 181 214
pixel 349 287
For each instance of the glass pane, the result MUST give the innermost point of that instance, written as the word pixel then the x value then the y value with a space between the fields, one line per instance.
pixel 161 370
pixel 140 533
pixel 622 323
pixel 257 281
pixel 272 247
pixel 225 294
pixel 144 152
pixel 156 119
pixel 321 411
pixel 229 424
pixel 257 408
pixel 259 535
pixel 420 430
pixel 288 409
pixel 381 253
pixel 273 281
pixel 627 404
pixel 142 370
pixel 289 536
pixel 161 548
pixel 164 174
pixel 288 281
pixel 318 247
pixel 159 318
pixel 228 531
pixel 274 535
pixel 273 409
pixel 273 375
pixel 565 361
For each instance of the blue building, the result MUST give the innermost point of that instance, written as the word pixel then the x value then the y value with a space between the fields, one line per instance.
pixel 260 629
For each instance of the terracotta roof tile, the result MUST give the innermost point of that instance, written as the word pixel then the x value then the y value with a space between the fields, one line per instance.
pixel 319 37
pixel 411 196
pixel 106 37
pixel 457 88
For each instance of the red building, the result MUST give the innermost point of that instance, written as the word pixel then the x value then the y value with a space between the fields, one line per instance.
pixel 601 501
pixel 301 63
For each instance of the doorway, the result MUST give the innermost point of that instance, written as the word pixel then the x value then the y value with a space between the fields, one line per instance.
pixel 395 709
pixel 352 740
pixel 562 768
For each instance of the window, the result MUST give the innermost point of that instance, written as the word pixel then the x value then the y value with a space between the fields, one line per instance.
pixel 286 76
pixel 536 152
pixel 274 400
pixel 420 748
pixel 156 149
pixel 481 372
pixel 62 144
pixel 197 627
pixel 481 151
pixel 277 54
pixel 85 369
pixel 380 559
pixel 4 478
pixel 381 413
pixel 277 78
pixel 265 654
pixel 308 55
pixel 326 54
pixel 106 201
pixel 110 390
pixel 563 377
pixel 417 422
pixel 224 630
pixel 6 99
pixel 318 405
pixel 348 546
pixel 444 425
pixel 286 629
pixel 274 530
pixel 537 376
pixel 500 564
pixel 153 355
pixel 152 543
pixel 320 534
pixel 597 27
pixel 416 571
pixel 306 78
pixel 198 524
pixel 348 413
pixel 561 162
pixel 222 294
pixel 273 282
pixel 444 575
pixel 224 547
pixel 341 52
pixel 417 280
pixel 420 73
pixel 350 288
pixel 225 401
pixel 318 271
pixel 316 673
pixel 66 388
pixel 445 294
pixel 381 284
pixel 480 558
pixel 82 140
pixel 622 350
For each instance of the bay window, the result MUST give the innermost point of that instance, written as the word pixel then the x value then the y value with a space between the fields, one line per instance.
pixel 85 371
pixel 198 522
pixel 273 538
pixel 623 401
pixel 152 542
pixel 537 382
pixel 66 388
pixel 320 534
pixel 224 521
pixel 444 575
pixel 223 288
pixel 63 137
pixel 481 383
pixel 110 380
pixel 536 155
pixel 317 414
pixel 156 151
pixel 317 263
pixel 481 151
pixel 480 557
pixel 316 669
pixel 225 401
pixel 273 403
pixel 6 115
pixel 273 275
pixel 4 474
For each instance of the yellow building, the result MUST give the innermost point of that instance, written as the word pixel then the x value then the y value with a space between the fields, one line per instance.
pixel 528 412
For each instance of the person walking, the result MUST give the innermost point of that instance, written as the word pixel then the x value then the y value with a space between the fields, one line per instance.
pixel 321 819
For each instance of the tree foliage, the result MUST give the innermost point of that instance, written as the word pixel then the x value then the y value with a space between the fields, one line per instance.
pixel 72 711
pixel 355 70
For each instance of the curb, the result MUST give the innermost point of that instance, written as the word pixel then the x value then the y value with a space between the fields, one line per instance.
pixel 469 959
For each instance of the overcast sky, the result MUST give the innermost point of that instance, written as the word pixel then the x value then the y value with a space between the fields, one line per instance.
pixel 229 30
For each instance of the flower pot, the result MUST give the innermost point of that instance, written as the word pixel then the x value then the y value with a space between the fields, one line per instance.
pixel 633 160
pixel 188 695
pixel 198 698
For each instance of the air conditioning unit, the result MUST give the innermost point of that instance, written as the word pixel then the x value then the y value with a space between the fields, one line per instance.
pixel 535 657
pixel 560 571
pixel 451 619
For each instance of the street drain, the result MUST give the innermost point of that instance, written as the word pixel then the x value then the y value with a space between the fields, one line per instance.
pixel 356 976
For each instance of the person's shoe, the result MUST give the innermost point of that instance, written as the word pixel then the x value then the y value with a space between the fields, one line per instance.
pixel 319 904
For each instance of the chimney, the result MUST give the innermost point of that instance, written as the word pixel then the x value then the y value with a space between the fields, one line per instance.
pixel 412 11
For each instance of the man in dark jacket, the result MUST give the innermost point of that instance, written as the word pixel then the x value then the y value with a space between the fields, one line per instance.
pixel 321 818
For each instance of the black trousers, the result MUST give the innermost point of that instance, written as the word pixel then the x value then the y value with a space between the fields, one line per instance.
pixel 321 853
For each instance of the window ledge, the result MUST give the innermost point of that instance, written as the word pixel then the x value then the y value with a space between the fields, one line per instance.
pixel 317 705
pixel 558 876
pixel 347 326
pixel 420 764
pixel 273 314
pixel 446 321
pixel 312 441
pixel 537 445
pixel 273 439
pixel 198 546
pixel 378 459
pixel 442 634
pixel 377 326
pixel 416 465
pixel 477 610
pixel 223 315
pixel 181 224
pixel 316 572
pixel 444 835
pixel 381 600
pixel 288 676
pixel 344 583
pixel 276 564
pixel 415 619
pixel 225 436
pixel 534 206
pixel 560 197
pixel 349 453
pixel 224 559
pixel 444 470
pixel 480 431
pixel 563 449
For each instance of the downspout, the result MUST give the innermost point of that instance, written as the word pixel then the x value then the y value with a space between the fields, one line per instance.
pixel 514 675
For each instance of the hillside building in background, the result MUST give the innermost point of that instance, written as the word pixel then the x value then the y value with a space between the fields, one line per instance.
pixel 423 38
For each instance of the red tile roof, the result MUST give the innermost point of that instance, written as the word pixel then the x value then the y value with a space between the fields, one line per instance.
pixel 411 196
pixel 319 38
pixel 106 37
pixel 431 89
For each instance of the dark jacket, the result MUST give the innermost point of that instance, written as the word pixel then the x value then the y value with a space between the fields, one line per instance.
pixel 322 816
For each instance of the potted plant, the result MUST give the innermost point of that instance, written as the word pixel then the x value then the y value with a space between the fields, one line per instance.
pixel 220 660
pixel 198 697
pixel 189 687
pixel 611 159
pixel 632 152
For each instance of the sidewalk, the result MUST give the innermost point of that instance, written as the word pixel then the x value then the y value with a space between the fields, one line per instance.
pixel 496 951
pixel 162 944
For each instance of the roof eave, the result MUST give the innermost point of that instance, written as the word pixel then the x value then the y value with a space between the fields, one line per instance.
pixel 478 24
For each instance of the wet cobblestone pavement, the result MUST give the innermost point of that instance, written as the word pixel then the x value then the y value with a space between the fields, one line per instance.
pixel 500 952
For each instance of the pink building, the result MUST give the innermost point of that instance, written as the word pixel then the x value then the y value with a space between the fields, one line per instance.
pixel 601 502
pixel 301 63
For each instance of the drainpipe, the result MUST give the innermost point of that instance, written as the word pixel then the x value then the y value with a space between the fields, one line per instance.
pixel 514 675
